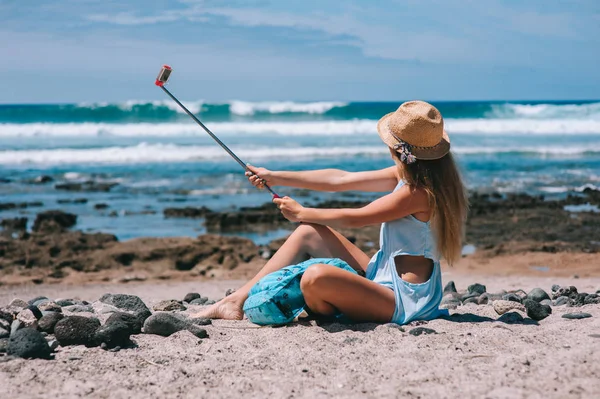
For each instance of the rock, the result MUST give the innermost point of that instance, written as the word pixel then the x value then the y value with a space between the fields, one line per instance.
pixel 18 303
pixel 165 324
pixel 15 326
pixel 187 212
pixel 576 315
pixel 474 300
pixel 127 303
pixel 421 331
pixel 28 318
pixel 168 305
pixel 210 302
pixel 486 298
pixel 53 344
pixel 6 316
pixel 65 302
pixel 547 302
pixel 191 296
pixel 4 332
pixel 501 307
pixel 49 307
pixel 38 300
pixel 577 299
pixel 449 301
pixel 200 321
pixel 114 334
pixel 3 345
pixel 561 300
pixel 76 330
pixel 511 297
pixel 48 321
pixel 229 291
pixel 103 308
pixel 100 206
pixel 199 301
pixel 134 323
pixel 90 186
pixel 564 291
pixel 53 221
pixel 592 299
pixel 511 318
pixel 28 343
pixel 476 289
pixel 536 310
pixel 554 288
pixel 538 295
pixel 79 309
pixel 450 287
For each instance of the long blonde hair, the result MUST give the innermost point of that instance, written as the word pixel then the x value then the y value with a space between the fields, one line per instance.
pixel 448 199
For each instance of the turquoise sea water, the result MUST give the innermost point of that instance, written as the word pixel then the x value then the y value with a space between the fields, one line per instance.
pixel 160 158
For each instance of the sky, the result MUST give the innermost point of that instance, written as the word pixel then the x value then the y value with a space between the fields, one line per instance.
pixel 66 51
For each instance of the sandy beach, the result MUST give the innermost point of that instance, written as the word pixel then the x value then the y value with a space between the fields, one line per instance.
pixel 471 355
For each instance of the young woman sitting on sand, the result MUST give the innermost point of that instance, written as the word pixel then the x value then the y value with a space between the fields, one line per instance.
pixel 422 219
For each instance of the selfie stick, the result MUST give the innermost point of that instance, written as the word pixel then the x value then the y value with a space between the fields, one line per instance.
pixel 161 80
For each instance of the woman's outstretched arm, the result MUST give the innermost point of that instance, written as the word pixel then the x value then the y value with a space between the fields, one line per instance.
pixel 396 205
pixel 382 180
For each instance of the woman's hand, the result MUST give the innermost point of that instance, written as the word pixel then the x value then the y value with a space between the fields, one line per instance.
pixel 258 177
pixel 290 209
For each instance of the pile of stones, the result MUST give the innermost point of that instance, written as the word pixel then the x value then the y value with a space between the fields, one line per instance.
pixel 34 329
pixel 537 303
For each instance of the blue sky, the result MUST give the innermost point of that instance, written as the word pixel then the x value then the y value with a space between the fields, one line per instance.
pixel 88 50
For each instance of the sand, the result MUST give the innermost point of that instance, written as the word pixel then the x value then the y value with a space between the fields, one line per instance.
pixel 472 356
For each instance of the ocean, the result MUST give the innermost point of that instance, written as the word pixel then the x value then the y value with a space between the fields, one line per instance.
pixel 160 158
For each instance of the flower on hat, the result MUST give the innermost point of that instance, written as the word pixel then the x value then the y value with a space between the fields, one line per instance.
pixel 406 155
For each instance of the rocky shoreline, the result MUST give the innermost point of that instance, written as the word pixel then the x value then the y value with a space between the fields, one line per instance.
pixel 52 251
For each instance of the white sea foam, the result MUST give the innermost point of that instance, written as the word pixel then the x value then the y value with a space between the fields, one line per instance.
pixel 280 107
pixel 169 153
pixel 326 128
pixel 193 106
pixel 546 111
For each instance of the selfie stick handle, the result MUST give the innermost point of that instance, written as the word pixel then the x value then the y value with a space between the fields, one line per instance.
pixel 237 159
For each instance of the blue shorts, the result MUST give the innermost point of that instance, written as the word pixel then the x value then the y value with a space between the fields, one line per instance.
pixel 277 299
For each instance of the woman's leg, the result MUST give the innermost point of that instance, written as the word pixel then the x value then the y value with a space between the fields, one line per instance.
pixel 328 289
pixel 307 241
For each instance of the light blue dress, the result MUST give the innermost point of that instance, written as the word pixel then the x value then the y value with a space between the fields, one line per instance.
pixel 408 236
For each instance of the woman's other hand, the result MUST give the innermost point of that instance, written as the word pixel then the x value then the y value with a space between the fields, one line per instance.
pixel 290 209
pixel 258 177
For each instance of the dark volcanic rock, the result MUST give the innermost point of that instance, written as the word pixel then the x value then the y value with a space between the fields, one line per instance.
pixel 128 303
pixel 421 331
pixel 114 334
pixel 3 345
pixel 561 300
pixel 187 212
pixel 576 315
pixel 14 224
pixel 28 343
pixel 199 301
pixel 76 330
pixel 100 206
pixel 476 289
pixel 564 291
pixel 450 287
pixel 168 305
pixel 592 299
pixel 134 323
pixel 510 318
pixel 577 299
pixel 536 310
pixel 89 186
pixel 512 297
pixel 486 298
pixel 165 324
pixel 48 321
pixel 37 300
pixel 538 295
pixel 52 221
pixel 191 296
pixel 5 206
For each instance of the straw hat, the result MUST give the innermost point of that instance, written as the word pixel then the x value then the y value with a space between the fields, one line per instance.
pixel 416 131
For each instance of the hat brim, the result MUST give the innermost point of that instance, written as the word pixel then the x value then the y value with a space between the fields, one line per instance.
pixel 425 153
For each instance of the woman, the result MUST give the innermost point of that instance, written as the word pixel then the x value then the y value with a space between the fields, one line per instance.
pixel 422 219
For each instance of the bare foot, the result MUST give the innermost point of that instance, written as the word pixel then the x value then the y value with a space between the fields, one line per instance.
pixel 224 309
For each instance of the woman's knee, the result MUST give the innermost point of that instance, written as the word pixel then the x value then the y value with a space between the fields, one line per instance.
pixel 313 277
